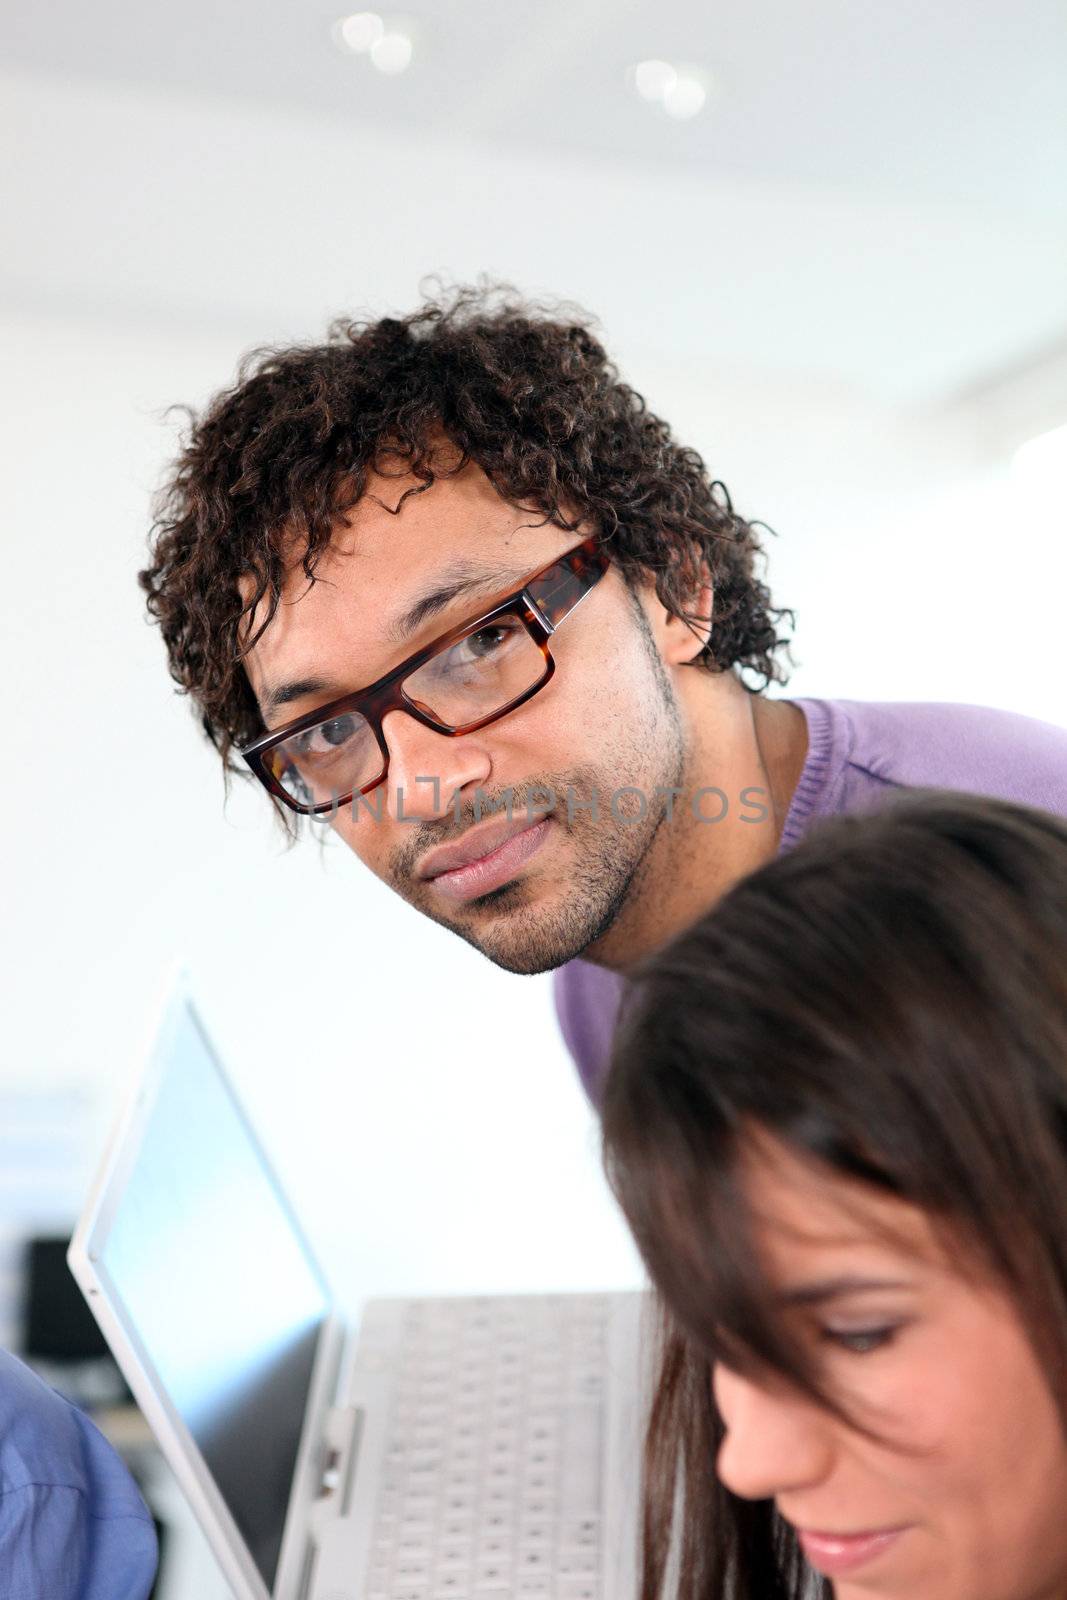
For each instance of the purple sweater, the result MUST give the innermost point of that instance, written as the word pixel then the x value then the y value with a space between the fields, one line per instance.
pixel 857 753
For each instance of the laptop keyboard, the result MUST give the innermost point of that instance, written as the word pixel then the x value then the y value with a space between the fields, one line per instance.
pixel 491 1485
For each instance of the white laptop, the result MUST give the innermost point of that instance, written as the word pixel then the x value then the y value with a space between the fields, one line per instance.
pixel 487 1448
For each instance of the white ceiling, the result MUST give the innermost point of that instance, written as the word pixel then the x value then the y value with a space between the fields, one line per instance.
pixel 960 101
pixel 876 191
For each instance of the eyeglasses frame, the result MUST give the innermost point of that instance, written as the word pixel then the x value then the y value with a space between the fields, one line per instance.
pixel 378 699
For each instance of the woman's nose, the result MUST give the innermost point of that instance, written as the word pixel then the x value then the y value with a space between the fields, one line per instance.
pixel 427 769
pixel 777 1440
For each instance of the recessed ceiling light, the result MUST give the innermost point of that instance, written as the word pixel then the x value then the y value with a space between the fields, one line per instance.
pixel 360 32
pixel 392 52
pixel 681 92
pixel 653 78
pixel 685 97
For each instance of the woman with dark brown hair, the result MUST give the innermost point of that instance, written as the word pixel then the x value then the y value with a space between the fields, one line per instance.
pixel 836 1121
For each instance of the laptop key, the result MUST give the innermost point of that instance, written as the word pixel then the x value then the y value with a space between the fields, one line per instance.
pixel 577 1563
pixel 579 1532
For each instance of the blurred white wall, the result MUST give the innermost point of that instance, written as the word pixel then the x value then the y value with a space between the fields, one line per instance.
pixel 418 1102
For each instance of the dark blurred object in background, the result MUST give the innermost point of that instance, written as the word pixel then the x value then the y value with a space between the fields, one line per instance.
pixel 60 1338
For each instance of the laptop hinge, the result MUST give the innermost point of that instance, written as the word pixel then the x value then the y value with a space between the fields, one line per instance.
pixel 339 1451
pixel 334 1480
pixel 340 1520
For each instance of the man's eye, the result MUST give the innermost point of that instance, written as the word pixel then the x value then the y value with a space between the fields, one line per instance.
pixel 326 736
pixel 485 641
pixel 336 731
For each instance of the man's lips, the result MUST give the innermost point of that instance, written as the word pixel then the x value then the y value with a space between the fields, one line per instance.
pixel 835 1553
pixel 486 857
pixel 474 845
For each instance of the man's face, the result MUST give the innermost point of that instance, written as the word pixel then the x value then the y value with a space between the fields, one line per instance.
pixel 532 892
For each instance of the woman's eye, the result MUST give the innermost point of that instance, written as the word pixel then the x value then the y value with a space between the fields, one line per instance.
pixel 859 1341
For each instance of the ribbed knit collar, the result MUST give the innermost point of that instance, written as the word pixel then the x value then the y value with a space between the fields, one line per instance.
pixel 828 736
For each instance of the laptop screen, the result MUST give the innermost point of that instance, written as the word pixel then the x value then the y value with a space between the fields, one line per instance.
pixel 216 1282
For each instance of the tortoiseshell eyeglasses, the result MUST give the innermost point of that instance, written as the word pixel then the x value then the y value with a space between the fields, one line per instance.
pixel 470 676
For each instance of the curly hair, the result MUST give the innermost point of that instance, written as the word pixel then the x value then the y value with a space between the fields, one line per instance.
pixel 525 391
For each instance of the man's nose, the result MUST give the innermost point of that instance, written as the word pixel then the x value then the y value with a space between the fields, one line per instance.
pixel 777 1440
pixel 428 769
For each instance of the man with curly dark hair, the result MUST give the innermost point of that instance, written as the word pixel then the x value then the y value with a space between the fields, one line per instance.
pixel 445 583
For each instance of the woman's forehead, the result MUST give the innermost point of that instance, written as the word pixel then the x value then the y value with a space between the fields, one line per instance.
pixel 804 1216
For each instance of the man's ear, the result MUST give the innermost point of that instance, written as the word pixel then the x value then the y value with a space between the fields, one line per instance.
pixel 685 637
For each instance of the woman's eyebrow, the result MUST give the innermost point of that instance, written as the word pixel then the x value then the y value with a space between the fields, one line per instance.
pixel 815 1293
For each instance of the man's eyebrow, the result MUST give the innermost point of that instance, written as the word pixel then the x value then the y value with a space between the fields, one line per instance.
pixel 285 693
pixel 462 578
pixel 811 1294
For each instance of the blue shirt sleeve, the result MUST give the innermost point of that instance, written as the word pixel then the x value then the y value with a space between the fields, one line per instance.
pixel 72 1523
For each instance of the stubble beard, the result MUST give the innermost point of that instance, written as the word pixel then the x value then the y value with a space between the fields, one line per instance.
pixel 610 857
